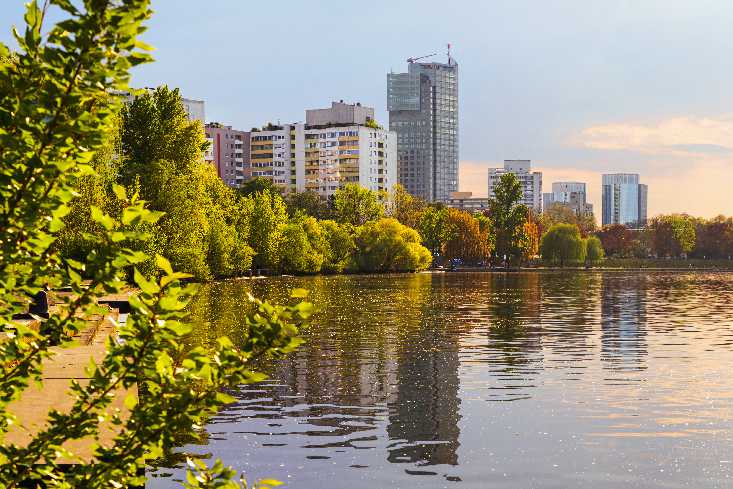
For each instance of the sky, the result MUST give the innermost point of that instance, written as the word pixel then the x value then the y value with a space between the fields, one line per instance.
pixel 579 87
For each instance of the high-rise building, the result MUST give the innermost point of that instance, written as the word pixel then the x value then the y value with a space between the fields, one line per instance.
pixel 423 111
pixel 624 199
pixel 336 146
pixel 571 194
pixel 531 181
pixel 229 153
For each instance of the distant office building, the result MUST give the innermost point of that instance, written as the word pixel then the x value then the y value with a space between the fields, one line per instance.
pixel 423 111
pixel 531 181
pixel 336 146
pixel 624 200
pixel 571 194
pixel 466 201
pixel 229 153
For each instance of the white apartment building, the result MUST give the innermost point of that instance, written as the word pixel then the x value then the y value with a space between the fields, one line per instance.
pixel 325 157
pixel 531 181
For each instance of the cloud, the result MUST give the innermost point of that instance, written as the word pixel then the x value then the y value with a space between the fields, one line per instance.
pixel 677 136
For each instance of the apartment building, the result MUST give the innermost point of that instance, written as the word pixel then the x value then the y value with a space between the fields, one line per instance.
pixel 531 181
pixel 336 146
pixel 229 153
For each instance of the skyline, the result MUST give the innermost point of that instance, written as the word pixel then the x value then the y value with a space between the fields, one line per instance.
pixel 580 89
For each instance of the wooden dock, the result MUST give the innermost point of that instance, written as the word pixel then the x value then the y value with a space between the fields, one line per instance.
pixel 65 365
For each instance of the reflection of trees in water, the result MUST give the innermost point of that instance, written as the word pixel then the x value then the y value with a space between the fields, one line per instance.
pixel 623 321
pixel 514 332
pixel 570 312
pixel 381 340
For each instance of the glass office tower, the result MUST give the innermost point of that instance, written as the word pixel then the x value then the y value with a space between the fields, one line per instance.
pixel 423 111
pixel 624 200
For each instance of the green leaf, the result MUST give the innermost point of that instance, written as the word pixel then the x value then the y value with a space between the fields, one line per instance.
pixel 299 293
pixel 148 287
pixel 269 482
pixel 163 264
pixel 119 191
pixel 130 401
pixel 101 218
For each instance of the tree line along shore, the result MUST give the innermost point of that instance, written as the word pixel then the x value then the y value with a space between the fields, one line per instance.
pixel 211 231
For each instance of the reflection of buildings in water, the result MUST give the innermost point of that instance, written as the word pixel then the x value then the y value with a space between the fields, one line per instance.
pixel 424 404
pixel 423 419
pixel 623 320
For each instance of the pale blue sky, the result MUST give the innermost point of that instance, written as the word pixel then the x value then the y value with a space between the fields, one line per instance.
pixel 580 87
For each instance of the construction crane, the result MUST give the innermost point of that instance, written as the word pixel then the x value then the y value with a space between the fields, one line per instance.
pixel 412 60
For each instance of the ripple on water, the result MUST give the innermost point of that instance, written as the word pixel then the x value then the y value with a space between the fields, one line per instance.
pixel 569 380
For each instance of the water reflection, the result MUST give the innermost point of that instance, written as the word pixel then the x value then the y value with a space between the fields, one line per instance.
pixel 513 380
pixel 623 321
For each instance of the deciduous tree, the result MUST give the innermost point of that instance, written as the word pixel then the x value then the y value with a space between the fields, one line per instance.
pixel 509 216
pixel 464 238
pixel 672 235
pixel 356 205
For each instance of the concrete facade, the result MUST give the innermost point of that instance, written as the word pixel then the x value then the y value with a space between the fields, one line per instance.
pixel 339 113
pixel 466 201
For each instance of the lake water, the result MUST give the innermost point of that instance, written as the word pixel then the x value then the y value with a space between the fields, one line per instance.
pixel 463 380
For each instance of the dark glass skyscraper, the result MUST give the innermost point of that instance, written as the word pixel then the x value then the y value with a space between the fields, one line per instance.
pixel 423 111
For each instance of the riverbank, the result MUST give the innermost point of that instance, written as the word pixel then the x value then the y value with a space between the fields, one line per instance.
pixel 619 264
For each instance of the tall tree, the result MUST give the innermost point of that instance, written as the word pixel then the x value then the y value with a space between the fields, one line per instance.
pixel 617 240
pixel 594 250
pixel 269 217
pixel 258 184
pixel 508 216
pixel 433 229
pixel 714 238
pixel 309 203
pixel 158 141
